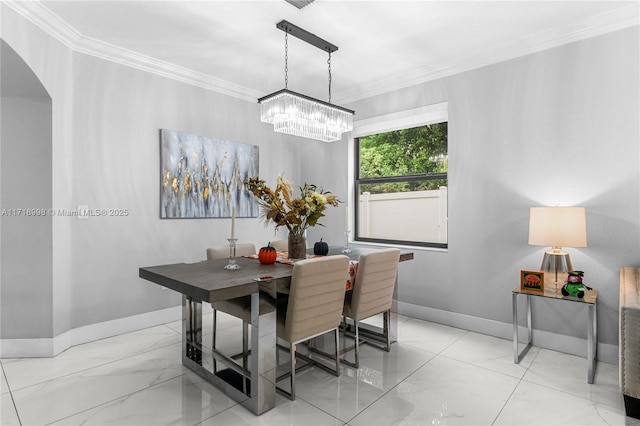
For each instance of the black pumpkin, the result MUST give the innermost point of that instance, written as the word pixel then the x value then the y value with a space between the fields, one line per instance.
pixel 321 248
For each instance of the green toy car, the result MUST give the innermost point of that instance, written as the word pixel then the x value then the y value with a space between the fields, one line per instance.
pixel 573 285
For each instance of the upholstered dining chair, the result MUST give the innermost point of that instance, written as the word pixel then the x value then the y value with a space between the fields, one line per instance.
pixel 280 245
pixel 222 252
pixel 313 308
pixel 239 307
pixel 372 294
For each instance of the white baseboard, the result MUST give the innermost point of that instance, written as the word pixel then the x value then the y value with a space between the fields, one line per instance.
pixel 558 342
pixel 38 348
pixel 49 347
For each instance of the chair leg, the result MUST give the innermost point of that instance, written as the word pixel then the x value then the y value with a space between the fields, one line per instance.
pixel 213 339
pixel 308 363
pixel 385 344
pixel 245 348
pixel 293 372
pixel 214 329
pixel 355 347
pixel 337 351
pixel 386 319
pixel 357 351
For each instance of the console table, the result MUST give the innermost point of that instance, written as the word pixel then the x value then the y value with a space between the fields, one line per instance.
pixel 590 299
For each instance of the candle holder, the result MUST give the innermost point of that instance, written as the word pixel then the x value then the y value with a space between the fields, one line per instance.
pixel 232 254
pixel 346 248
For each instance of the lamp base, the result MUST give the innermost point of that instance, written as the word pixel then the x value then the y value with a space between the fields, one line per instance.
pixel 556 261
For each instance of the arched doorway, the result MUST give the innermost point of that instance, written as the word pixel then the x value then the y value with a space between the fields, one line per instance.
pixel 26 283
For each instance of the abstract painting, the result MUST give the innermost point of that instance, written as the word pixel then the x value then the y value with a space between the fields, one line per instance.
pixel 202 177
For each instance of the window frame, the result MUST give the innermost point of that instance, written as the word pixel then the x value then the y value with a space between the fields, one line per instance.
pixel 437 113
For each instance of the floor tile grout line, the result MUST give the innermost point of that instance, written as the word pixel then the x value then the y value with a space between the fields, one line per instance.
pixel 520 380
pixel 527 368
pixel 127 396
pixel 506 401
pixel 166 324
pixel 436 354
pixel 320 409
pixel 524 379
pixel 236 404
pixel 441 350
pixel 13 402
pixel 571 393
pixel 395 386
pixel 93 367
pixel 441 353
pixel 471 364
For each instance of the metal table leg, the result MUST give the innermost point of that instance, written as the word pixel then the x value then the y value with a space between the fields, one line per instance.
pixel 514 307
pixel 592 342
pixel 393 316
pixel 263 358
pixel 517 356
pixel 191 330
pixel 261 384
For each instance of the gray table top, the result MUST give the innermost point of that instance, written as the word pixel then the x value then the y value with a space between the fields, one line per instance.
pixel 208 281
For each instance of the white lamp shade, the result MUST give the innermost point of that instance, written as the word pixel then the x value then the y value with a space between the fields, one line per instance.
pixel 558 226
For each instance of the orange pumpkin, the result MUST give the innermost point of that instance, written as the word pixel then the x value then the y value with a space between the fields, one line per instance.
pixel 267 255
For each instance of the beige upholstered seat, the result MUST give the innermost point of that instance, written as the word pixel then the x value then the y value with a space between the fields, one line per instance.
pixel 372 294
pixel 222 252
pixel 314 307
pixel 280 245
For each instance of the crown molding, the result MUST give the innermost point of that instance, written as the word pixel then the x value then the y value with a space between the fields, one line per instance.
pixel 50 23
pixel 47 21
pixel 613 20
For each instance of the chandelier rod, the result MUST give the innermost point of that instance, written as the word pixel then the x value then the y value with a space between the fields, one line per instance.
pixel 305 35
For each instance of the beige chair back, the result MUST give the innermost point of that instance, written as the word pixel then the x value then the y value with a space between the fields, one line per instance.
pixel 222 252
pixel 375 280
pixel 280 245
pixel 316 297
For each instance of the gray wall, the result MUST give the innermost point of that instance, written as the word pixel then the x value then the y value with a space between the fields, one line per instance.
pixel 105 154
pixel 560 126
pixel 26 238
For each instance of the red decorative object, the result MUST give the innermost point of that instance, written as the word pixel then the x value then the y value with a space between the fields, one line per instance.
pixel 267 255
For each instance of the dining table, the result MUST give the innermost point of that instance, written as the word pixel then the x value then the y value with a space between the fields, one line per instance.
pixel 208 282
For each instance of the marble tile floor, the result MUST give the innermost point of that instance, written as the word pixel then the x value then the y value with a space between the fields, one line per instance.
pixel 434 374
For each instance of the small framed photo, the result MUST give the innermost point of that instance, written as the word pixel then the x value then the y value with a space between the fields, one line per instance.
pixel 532 281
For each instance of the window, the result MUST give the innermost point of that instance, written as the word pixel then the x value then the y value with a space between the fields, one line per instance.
pixel 401 180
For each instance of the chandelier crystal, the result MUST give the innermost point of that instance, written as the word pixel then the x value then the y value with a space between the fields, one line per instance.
pixel 300 115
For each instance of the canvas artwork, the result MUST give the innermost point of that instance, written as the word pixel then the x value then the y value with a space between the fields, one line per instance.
pixel 202 177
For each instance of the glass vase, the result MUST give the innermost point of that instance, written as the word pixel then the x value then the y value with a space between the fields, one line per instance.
pixel 297 246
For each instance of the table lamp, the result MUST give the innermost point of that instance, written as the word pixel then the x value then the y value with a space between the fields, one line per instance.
pixel 557 227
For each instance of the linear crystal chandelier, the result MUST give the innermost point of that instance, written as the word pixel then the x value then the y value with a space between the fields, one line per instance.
pixel 301 115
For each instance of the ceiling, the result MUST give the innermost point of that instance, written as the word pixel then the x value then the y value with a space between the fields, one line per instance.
pixel 235 48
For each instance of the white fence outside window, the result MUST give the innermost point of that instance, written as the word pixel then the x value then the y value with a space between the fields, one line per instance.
pixel 419 216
